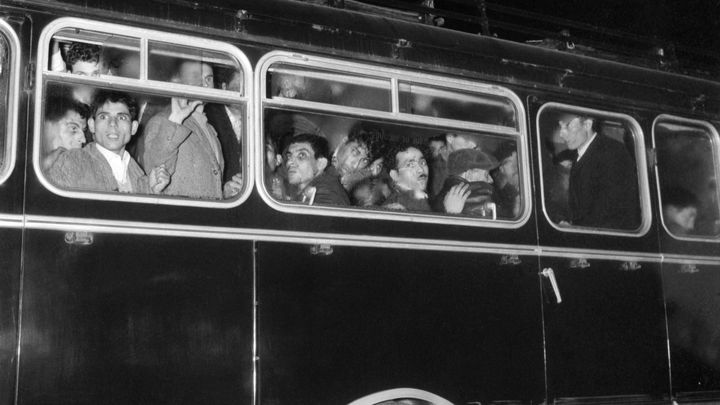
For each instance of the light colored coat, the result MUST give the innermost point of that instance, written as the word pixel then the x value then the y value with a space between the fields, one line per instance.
pixel 87 169
pixel 195 169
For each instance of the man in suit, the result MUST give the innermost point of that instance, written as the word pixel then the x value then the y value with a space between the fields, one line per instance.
pixel 603 191
pixel 181 139
pixel 228 121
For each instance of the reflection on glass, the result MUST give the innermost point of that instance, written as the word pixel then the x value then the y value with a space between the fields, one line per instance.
pixel 457 105
pixel 687 167
pixel 330 88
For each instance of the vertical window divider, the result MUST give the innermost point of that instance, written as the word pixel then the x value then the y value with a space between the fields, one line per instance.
pixel 395 96
pixel 144 58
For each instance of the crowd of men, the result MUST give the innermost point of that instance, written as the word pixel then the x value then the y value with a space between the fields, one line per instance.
pixel 192 149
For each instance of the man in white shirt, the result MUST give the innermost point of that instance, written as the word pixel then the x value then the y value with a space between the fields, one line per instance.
pixel 105 165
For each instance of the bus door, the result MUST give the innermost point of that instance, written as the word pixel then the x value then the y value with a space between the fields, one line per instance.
pixel 13 30
pixel 130 294
pixel 686 177
pixel 603 304
pixel 337 323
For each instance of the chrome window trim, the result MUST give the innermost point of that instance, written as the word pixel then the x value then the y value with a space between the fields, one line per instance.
pixel 396 76
pixel 640 163
pixel 150 87
pixel 715 142
pixel 11 124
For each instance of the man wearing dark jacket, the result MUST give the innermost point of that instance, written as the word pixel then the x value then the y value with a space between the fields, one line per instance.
pixel 603 191
pixel 312 179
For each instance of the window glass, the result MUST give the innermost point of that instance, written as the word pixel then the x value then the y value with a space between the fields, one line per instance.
pixel 687 175
pixel 121 118
pixel 377 163
pixel 590 169
pixel 457 105
pixel 4 87
pixel 328 87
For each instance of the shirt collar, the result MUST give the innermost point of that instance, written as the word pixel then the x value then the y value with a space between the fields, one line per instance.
pixel 118 163
pixel 582 149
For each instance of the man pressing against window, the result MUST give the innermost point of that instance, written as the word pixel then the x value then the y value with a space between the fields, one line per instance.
pixel 105 165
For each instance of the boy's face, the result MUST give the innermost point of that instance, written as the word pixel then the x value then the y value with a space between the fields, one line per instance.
pixel 113 126
pixel 85 68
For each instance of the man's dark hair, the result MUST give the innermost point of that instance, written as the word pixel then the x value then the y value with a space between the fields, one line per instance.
pixel 390 161
pixel 506 149
pixel 319 145
pixel 57 106
pixel 369 136
pixel 106 96
pixel 679 197
pixel 438 138
pixel 82 52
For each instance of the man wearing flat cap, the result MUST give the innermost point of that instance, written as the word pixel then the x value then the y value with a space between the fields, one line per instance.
pixel 468 188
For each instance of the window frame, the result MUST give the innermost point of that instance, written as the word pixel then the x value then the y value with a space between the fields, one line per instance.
pixel 640 164
pixel 714 141
pixel 11 112
pixel 150 87
pixel 396 76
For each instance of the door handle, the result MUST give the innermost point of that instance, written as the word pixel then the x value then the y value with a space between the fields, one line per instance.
pixel 550 275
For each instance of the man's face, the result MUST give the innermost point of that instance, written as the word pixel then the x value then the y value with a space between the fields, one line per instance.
pixel 301 164
pixel 85 68
pixel 436 147
pixel 236 83
pixel 574 132
pixel 71 130
pixel 113 126
pixel 683 217
pixel 351 156
pixel 195 73
pixel 457 142
pixel 509 169
pixel 412 171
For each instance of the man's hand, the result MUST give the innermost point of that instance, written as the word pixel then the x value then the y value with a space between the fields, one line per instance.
pixel 454 200
pixel 181 108
pixel 233 186
pixel 158 179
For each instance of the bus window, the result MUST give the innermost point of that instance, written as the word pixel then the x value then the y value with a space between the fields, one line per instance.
pixel 369 156
pixel 124 118
pixel 4 82
pixel 94 53
pixel 455 104
pixel 9 87
pixel 291 82
pixel 590 162
pixel 687 170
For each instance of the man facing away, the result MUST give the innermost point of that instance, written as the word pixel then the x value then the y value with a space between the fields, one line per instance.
pixel 181 139
pixel 312 178
pixel 603 190
pixel 105 165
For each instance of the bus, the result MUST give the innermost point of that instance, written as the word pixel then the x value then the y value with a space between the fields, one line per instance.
pixel 215 261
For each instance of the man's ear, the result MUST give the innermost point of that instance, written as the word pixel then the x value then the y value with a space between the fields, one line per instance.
pixel 321 164
pixel 393 175
pixel 588 124
pixel 134 127
pixel 91 124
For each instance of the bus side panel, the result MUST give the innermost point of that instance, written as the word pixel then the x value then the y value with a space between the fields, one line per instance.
pixel 10 242
pixel 692 292
pixel 607 337
pixel 335 328
pixel 129 319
